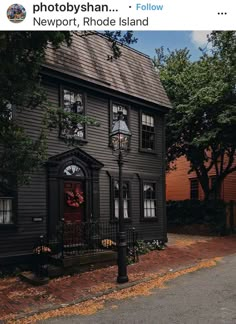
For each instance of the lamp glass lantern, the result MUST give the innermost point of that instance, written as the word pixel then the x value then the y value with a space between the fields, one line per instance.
pixel 120 134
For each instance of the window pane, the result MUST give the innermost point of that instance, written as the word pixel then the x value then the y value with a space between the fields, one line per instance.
pixel 125 198
pixel 6 213
pixel 126 214
pixel 148 132
pixel 115 109
pixel 73 170
pixel 73 102
pixel 116 208
pixel 144 119
pixel 194 192
pixel 149 203
pixel 67 100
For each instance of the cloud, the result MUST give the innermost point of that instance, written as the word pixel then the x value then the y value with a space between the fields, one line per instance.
pixel 199 38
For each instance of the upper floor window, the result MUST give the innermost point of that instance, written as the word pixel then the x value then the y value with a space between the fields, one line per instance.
pixel 194 189
pixel 115 113
pixel 115 108
pixel 148 132
pixel 149 200
pixel 73 102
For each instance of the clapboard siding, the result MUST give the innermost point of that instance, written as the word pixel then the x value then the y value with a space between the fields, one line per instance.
pixel 33 198
pixel 31 202
pixel 180 175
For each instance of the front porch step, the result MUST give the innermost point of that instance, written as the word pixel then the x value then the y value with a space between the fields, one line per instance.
pixel 82 263
pixel 30 277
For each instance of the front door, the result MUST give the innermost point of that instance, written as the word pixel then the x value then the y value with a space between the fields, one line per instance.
pixel 73 201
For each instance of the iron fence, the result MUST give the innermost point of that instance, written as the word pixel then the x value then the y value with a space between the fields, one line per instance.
pixel 88 238
pixel 132 246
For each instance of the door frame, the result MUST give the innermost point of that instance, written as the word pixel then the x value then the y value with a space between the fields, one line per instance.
pixel 55 167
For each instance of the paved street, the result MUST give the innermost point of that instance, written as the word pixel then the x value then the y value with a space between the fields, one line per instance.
pixel 205 296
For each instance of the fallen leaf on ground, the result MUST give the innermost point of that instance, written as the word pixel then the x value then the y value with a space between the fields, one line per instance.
pixel 92 306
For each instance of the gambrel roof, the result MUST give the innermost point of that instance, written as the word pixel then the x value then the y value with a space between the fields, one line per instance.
pixel 132 74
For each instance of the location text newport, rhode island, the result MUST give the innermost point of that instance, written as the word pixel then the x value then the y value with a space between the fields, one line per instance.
pixel 67 7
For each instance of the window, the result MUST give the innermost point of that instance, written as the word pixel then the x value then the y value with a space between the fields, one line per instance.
pixel 6 202
pixel 148 135
pixel 7 111
pixel 73 170
pixel 6 210
pixel 73 101
pixel 194 189
pixel 149 200
pixel 115 110
pixel 126 199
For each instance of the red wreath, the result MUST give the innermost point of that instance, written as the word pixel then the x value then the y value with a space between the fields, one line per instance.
pixel 74 198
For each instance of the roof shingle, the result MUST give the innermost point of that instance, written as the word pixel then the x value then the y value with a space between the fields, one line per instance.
pixel 132 73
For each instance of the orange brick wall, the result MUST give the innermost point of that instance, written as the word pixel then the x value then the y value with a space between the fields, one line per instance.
pixel 178 184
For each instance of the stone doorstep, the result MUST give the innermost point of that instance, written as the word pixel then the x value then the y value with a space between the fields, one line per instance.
pixel 99 257
pixel 31 278
pixel 72 264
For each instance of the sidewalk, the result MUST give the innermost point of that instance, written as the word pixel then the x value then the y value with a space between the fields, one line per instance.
pixel 19 299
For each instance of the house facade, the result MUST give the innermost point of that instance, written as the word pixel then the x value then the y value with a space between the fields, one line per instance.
pixel 181 185
pixel 79 78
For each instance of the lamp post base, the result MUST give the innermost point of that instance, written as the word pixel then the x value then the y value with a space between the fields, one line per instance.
pixel 122 266
pixel 122 279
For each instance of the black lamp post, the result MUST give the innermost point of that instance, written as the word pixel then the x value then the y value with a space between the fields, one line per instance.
pixel 120 136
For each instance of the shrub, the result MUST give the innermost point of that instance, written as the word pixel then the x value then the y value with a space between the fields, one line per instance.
pixel 145 247
pixel 189 212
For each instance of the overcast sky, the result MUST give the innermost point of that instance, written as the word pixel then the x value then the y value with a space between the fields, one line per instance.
pixel 149 40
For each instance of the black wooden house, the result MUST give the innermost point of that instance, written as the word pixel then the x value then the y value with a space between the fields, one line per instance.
pixel 81 76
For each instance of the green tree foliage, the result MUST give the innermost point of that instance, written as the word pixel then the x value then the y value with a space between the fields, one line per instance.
pixel 202 123
pixel 21 56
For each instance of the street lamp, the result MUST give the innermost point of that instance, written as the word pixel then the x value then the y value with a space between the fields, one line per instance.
pixel 120 137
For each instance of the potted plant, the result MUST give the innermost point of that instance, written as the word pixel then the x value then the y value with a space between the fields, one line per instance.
pixel 41 260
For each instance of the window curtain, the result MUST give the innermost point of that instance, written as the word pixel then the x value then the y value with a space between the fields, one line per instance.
pixel 149 208
pixel 149 202
pixel 5 211
pixel 126 215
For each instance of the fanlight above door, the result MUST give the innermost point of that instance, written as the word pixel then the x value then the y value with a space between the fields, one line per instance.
pixel 73 170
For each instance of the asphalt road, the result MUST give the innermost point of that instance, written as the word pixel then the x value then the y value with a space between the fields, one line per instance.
pixel 205 296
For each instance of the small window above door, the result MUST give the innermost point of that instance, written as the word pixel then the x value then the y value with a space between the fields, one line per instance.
pixel 73 170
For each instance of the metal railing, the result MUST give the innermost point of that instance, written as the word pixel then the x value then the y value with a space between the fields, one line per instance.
pixel 132 247
pixel 88 238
